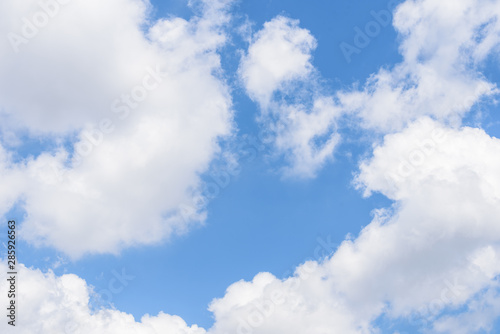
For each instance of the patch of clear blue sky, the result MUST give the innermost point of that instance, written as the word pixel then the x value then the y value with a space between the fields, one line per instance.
pixel 259 222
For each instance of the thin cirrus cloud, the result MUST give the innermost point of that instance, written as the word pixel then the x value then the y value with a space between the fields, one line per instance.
pixel 147 107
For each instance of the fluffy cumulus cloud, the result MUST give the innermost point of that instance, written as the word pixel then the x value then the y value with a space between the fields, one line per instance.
pixel 278 74
pixel 443 46
pixel 447 195
pixel 446 208
pixel 141 104
pixel 279 54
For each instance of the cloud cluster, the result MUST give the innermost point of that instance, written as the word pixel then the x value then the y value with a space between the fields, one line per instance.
pixel 446 210
pixel 435 250
pixel 278 74
pixel 142 105
pixel 443 45
pixel 443 48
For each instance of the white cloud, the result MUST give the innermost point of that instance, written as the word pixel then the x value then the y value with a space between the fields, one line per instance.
pixel 148 107
pixel 279 54
pixel 445 211
pixel 277 73
pixel 307 136
pixel 443 44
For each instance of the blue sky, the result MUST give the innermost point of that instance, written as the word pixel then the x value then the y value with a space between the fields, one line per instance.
pixel 328 175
